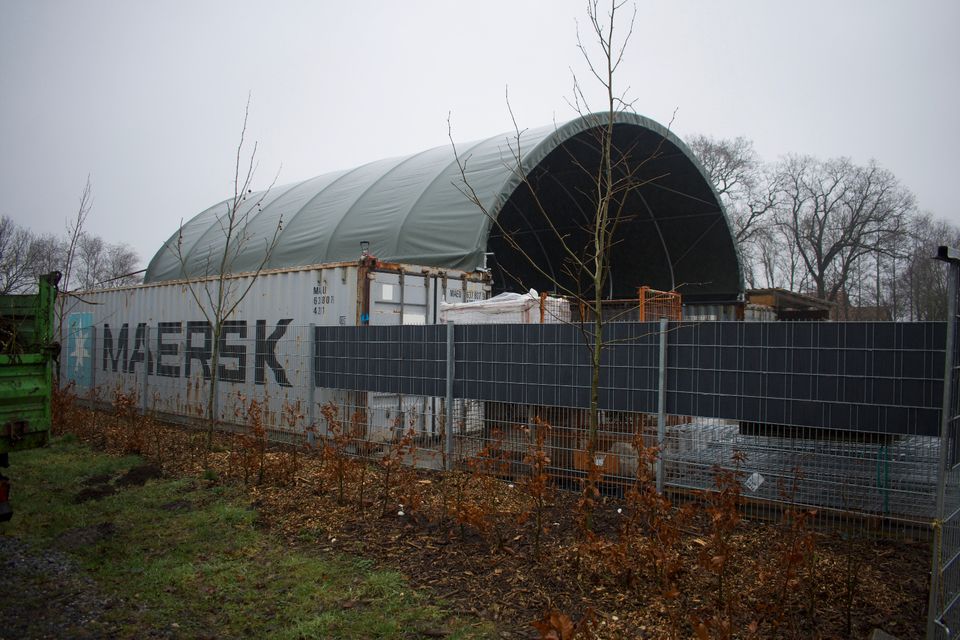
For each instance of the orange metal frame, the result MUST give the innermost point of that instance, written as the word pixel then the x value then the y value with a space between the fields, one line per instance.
pixel 656 304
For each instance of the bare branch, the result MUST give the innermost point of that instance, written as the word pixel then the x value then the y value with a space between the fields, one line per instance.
pixel 217 293
pixel 584 268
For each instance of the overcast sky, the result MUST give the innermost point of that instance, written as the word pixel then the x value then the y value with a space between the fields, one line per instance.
pixel 148 97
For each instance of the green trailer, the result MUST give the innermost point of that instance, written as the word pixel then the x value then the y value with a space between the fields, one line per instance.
pixel 27 356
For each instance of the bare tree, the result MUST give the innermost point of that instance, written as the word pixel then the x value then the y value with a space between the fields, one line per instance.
pixel 99 264
pixel 586 251
pixel 834 213
pixel 748 189
pixel 215 292
pixel 47 253
pixel 922 280
pixel 17 263
pixel 75 235
pixel 744 183
pixel 890 254
pixel 778 262
pixel 120 266
pixel 95 263
pixel 66 250
pixel 89 263
pixel 833 228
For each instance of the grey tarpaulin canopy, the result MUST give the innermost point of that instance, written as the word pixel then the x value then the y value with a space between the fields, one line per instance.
pixel 675 232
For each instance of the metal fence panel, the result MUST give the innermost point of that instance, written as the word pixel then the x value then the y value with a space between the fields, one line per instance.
pixel 864 376
pixel 943 615
pixel 867 377
pixel 747 389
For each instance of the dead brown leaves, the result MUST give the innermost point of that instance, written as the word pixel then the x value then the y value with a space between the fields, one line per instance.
pixel 512 552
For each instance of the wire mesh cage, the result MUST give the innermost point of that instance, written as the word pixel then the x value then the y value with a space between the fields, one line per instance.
pixel 655 304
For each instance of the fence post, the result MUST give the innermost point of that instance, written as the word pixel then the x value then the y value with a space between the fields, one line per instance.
pixel 144 384
pixel 936 603
pixel 448 427
pixel 311 388
pixel 93 361
pixel 662 403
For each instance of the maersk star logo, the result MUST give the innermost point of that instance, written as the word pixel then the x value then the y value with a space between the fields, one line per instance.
pixel 79 353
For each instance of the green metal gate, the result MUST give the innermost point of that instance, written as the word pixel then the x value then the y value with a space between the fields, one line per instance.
pixel 27 351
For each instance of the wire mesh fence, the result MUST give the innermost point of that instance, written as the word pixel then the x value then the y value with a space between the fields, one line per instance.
pixel 943 611
pixel 841 417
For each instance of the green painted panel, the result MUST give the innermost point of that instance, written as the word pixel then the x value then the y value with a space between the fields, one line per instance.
pixel 26 368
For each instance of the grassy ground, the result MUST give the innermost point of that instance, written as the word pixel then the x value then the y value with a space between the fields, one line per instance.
pixel 186 556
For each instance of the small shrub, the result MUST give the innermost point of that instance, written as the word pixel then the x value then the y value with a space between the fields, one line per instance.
pixel 653 533
pixel 723 516
pixel 63 409
pixel 538 484
pixel 391 463
pixel 475 508
pixel 250 446
pixel 131 428
pixel 335 446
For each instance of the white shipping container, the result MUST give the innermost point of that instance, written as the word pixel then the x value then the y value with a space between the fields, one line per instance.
pixel 155 341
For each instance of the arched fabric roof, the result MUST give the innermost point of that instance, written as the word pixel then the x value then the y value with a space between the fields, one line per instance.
pixel 413 210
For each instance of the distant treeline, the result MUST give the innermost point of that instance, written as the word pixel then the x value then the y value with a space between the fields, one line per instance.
pixel 844 232
pixel 93 263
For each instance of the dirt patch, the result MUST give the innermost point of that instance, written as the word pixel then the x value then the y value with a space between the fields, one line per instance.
pixel 101 478
pixel 44 595
pixel 99 486
pixel 97 492
pixel 80 537
pixel 138 476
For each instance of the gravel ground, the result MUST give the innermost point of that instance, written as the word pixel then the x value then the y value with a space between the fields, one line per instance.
pixel 43 594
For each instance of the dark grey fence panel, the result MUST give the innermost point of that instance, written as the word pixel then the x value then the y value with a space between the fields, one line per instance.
pixel 875 377
pixel 631 361
pixel 867 376
pixel 393 359
pixel 549 365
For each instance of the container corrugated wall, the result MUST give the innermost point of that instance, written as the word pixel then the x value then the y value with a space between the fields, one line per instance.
pixel 155 342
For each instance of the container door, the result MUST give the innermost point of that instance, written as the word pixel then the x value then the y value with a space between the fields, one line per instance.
pixel 396 299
